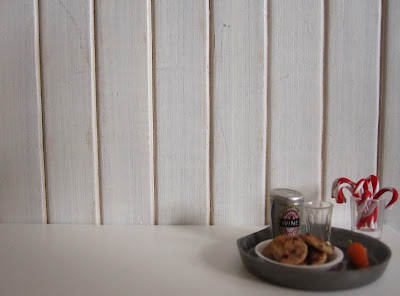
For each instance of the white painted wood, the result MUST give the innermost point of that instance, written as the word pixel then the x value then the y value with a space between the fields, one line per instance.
pixel 66 37
pixel 389 165
pixel 295 96
pixel 64 260
pixel 182 111
pixel 238 51
pixel 212 107
pixel 22 196
pixel 352 95
pixel 124 89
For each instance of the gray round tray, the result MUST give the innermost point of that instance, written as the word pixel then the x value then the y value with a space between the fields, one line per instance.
pixel 343 276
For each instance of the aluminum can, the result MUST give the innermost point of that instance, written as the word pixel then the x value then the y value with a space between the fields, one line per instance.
pixel 286 211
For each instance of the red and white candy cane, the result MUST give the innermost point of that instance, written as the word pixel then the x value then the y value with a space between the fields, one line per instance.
pixel 366 209
pixel 395 196
pixel 366 199
pixel 338 186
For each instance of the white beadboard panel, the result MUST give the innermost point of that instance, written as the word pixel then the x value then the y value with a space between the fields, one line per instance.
pixel 239 97
pixel 389 165
pixel 124 92
pixel 238 105
pixel 182 111
pixel 69 110
pixel 22 197
pixel 295 96
pixel 352 95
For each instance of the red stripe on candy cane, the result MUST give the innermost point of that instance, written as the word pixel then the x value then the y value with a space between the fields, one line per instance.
pixel 360 187
pixel 375 184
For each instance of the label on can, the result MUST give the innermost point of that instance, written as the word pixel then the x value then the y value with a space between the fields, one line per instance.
pixel 289 220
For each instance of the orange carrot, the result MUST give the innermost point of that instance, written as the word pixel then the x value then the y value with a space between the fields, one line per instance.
pixel 358 255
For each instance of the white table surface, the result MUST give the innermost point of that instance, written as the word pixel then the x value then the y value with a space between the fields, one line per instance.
pixel 144 260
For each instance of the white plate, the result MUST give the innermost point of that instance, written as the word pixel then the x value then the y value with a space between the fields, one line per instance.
pixel 333 259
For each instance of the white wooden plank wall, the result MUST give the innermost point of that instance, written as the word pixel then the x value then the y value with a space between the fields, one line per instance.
pixel 238 111
pixel 295 95
pixel 181 111
pixel 190 112
pixel 352 94
pixel 22 196
pixel 124 96
pixel 389 161
pixel 69 102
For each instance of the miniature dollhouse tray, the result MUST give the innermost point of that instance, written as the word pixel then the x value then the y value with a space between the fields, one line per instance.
pixel 343 276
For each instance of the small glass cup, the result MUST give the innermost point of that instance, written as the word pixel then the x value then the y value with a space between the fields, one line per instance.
pixel 318 218
pixel 368 217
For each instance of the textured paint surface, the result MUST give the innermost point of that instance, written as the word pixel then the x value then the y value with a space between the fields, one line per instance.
pixel 238 97
pixel 352 95
pixel 124 89
pixel 68 104
pixel 190 112
pixel 295 96
pixel 22 196
pixel 181 111
pixel 389 164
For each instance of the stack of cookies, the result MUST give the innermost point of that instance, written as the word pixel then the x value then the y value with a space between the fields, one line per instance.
pixel 303 249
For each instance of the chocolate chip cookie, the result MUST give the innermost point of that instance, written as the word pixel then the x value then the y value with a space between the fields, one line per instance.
pixel 287 249
pixel 317 243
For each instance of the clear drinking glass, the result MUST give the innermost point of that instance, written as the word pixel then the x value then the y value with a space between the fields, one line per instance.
pixel 318 218
pixel 368 217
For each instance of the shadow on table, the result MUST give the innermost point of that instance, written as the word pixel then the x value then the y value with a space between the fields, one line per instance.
pixel 224 257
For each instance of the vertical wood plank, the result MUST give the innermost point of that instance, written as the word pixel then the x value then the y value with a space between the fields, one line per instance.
pixel 69 110
pixel 238 95
pixel 123 59
pixel 22 194
pixel 295 96
pixel 389 164
pixel 352 95
pixel 182 111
